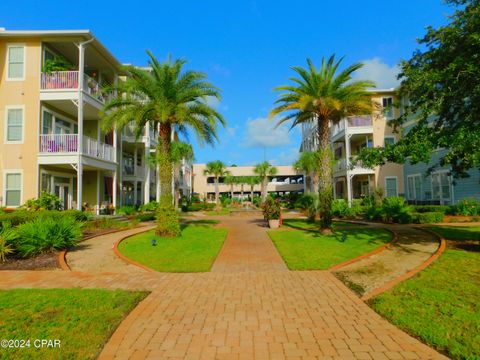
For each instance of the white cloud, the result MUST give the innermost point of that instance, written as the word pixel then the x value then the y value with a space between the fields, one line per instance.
pixel 382 74
pixel 221 70
pixel 261 132
pixel 286 157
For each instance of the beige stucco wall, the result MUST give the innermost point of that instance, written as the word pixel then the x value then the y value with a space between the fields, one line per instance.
pixel 25 93
pixel 380 130
pixel 201 187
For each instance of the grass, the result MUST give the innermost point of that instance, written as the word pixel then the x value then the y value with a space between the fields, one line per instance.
pixel 303 224
pixel 458 232
pixel 223 211
pixel 440 305
pixel 83 320
pixel 194 251
pixel 309 250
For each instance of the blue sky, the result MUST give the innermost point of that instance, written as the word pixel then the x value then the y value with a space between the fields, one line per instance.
pixel 246 47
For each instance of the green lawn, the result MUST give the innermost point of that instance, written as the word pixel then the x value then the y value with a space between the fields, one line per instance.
pixel 458 232
pixel 194 251
pixel 440 305
pixel 303 224
pixel 308 250
pixel 83 320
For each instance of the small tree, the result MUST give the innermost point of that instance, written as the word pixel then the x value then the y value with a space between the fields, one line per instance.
pixel 231 181
pixel 308 162
pixel 251 181
pixel 264 170
pixel 217 169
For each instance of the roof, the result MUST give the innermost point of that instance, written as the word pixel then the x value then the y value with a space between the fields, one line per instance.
pixel 74 35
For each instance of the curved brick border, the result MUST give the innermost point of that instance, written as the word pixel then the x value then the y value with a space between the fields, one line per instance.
pixel 441 247
pixel 363 256
pixel 62 256
pixel 126 259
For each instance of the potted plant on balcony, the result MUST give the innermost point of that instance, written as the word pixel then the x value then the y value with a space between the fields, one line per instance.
pixel 271 212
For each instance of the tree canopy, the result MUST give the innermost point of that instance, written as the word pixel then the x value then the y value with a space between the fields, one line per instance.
pixel 440 89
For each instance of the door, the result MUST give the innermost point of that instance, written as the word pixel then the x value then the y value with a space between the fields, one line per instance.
pixel 63 192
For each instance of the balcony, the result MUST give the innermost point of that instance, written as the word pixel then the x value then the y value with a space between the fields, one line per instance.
pixel 354 167
pixel 58 81
pixel 361 124
pixel 67 144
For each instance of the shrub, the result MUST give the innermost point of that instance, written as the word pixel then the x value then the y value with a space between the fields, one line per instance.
pixel 257 200
pixel 147 216
pixel 208 206
pixel 271 209
pixel 7 237
pixel 428 217
pixel 341 209
pixel 225 201
pixel 467 207
pixel 46 201
pixel 373 213
pixel 195 207
pixel 151 206
pixel 16 218
pixel 303 202
pixel 395 209
pixel 78 215
pixel 432 208
pixel 47 234
pixel 126 210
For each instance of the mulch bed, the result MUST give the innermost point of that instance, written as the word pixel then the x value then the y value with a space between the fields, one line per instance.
pixel 47 261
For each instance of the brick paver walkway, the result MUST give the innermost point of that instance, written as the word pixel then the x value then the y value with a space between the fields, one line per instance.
pixel 245 314
pixel 247 247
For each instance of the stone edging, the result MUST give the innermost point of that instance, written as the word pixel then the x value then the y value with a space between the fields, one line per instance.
pixel 126 259
pixel 363 256
pixel 441 247
pixel 62 256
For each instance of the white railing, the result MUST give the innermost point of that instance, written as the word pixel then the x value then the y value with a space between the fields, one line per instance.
pixel 60 80
pixel 361 120
pixel 337 127
pixel 139 171
pixel 58 143
pixel 98 149
pixel 57 80
pixel 340 164
pixel 68 143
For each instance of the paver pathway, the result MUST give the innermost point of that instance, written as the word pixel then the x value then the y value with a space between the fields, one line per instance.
pixel 413 248
pixel 247 247
pixel 245 314
pixel 96 254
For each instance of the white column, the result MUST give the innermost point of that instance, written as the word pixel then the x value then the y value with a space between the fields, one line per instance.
pixel 81 64
pixel 349 189
pixel 146 166
pixel 135 192
pixel 98 192
pixel 114 190
pixel 347 163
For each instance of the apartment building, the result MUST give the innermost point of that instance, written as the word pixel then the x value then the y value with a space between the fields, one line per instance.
pixel 51 138
pixel 286 180
pixel 351 179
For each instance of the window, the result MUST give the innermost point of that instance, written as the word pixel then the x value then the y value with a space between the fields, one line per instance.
pixel 13 189
pixel 47 124
pixel 46 183
pixel 414 187
pixel 387 104
pixel 16 64
pixel 14 132
pixel 391 186
pixel 139 159
pixel 441 187
pixel 389 140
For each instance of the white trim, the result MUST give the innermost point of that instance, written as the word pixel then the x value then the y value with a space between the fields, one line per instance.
pixel 396 184
pixel 54 174
pixel 7 63
pixel 419 175
pixel 4 192
pixel 56 115
pixel 14 107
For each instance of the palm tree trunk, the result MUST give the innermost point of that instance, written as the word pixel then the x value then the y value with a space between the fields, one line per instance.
pixel 264 189
pixel 315 182
pixel 251 193
pixel 325 189
pixel 177 195
pixel 241 191
pixel 168 223
pixel 217 194
pixel 231 191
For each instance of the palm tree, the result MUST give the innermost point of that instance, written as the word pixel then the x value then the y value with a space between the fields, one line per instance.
pixel 231 180
pixel 217 169
pixel 251 181
pixel 264 170
pixel 173 99
pixel 324 96
pixel 180 152
pixel 308 162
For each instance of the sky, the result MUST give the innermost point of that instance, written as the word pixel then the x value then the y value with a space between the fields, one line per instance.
pixel 247 48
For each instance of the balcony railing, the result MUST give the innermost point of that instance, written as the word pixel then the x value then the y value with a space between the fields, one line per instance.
pixel 357 121
pixel 68 80
pixel 68 143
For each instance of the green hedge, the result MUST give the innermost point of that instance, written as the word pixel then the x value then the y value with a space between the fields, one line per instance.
pixel 428 217
pixel 147 216
pixel 444 209
pixel 19 217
